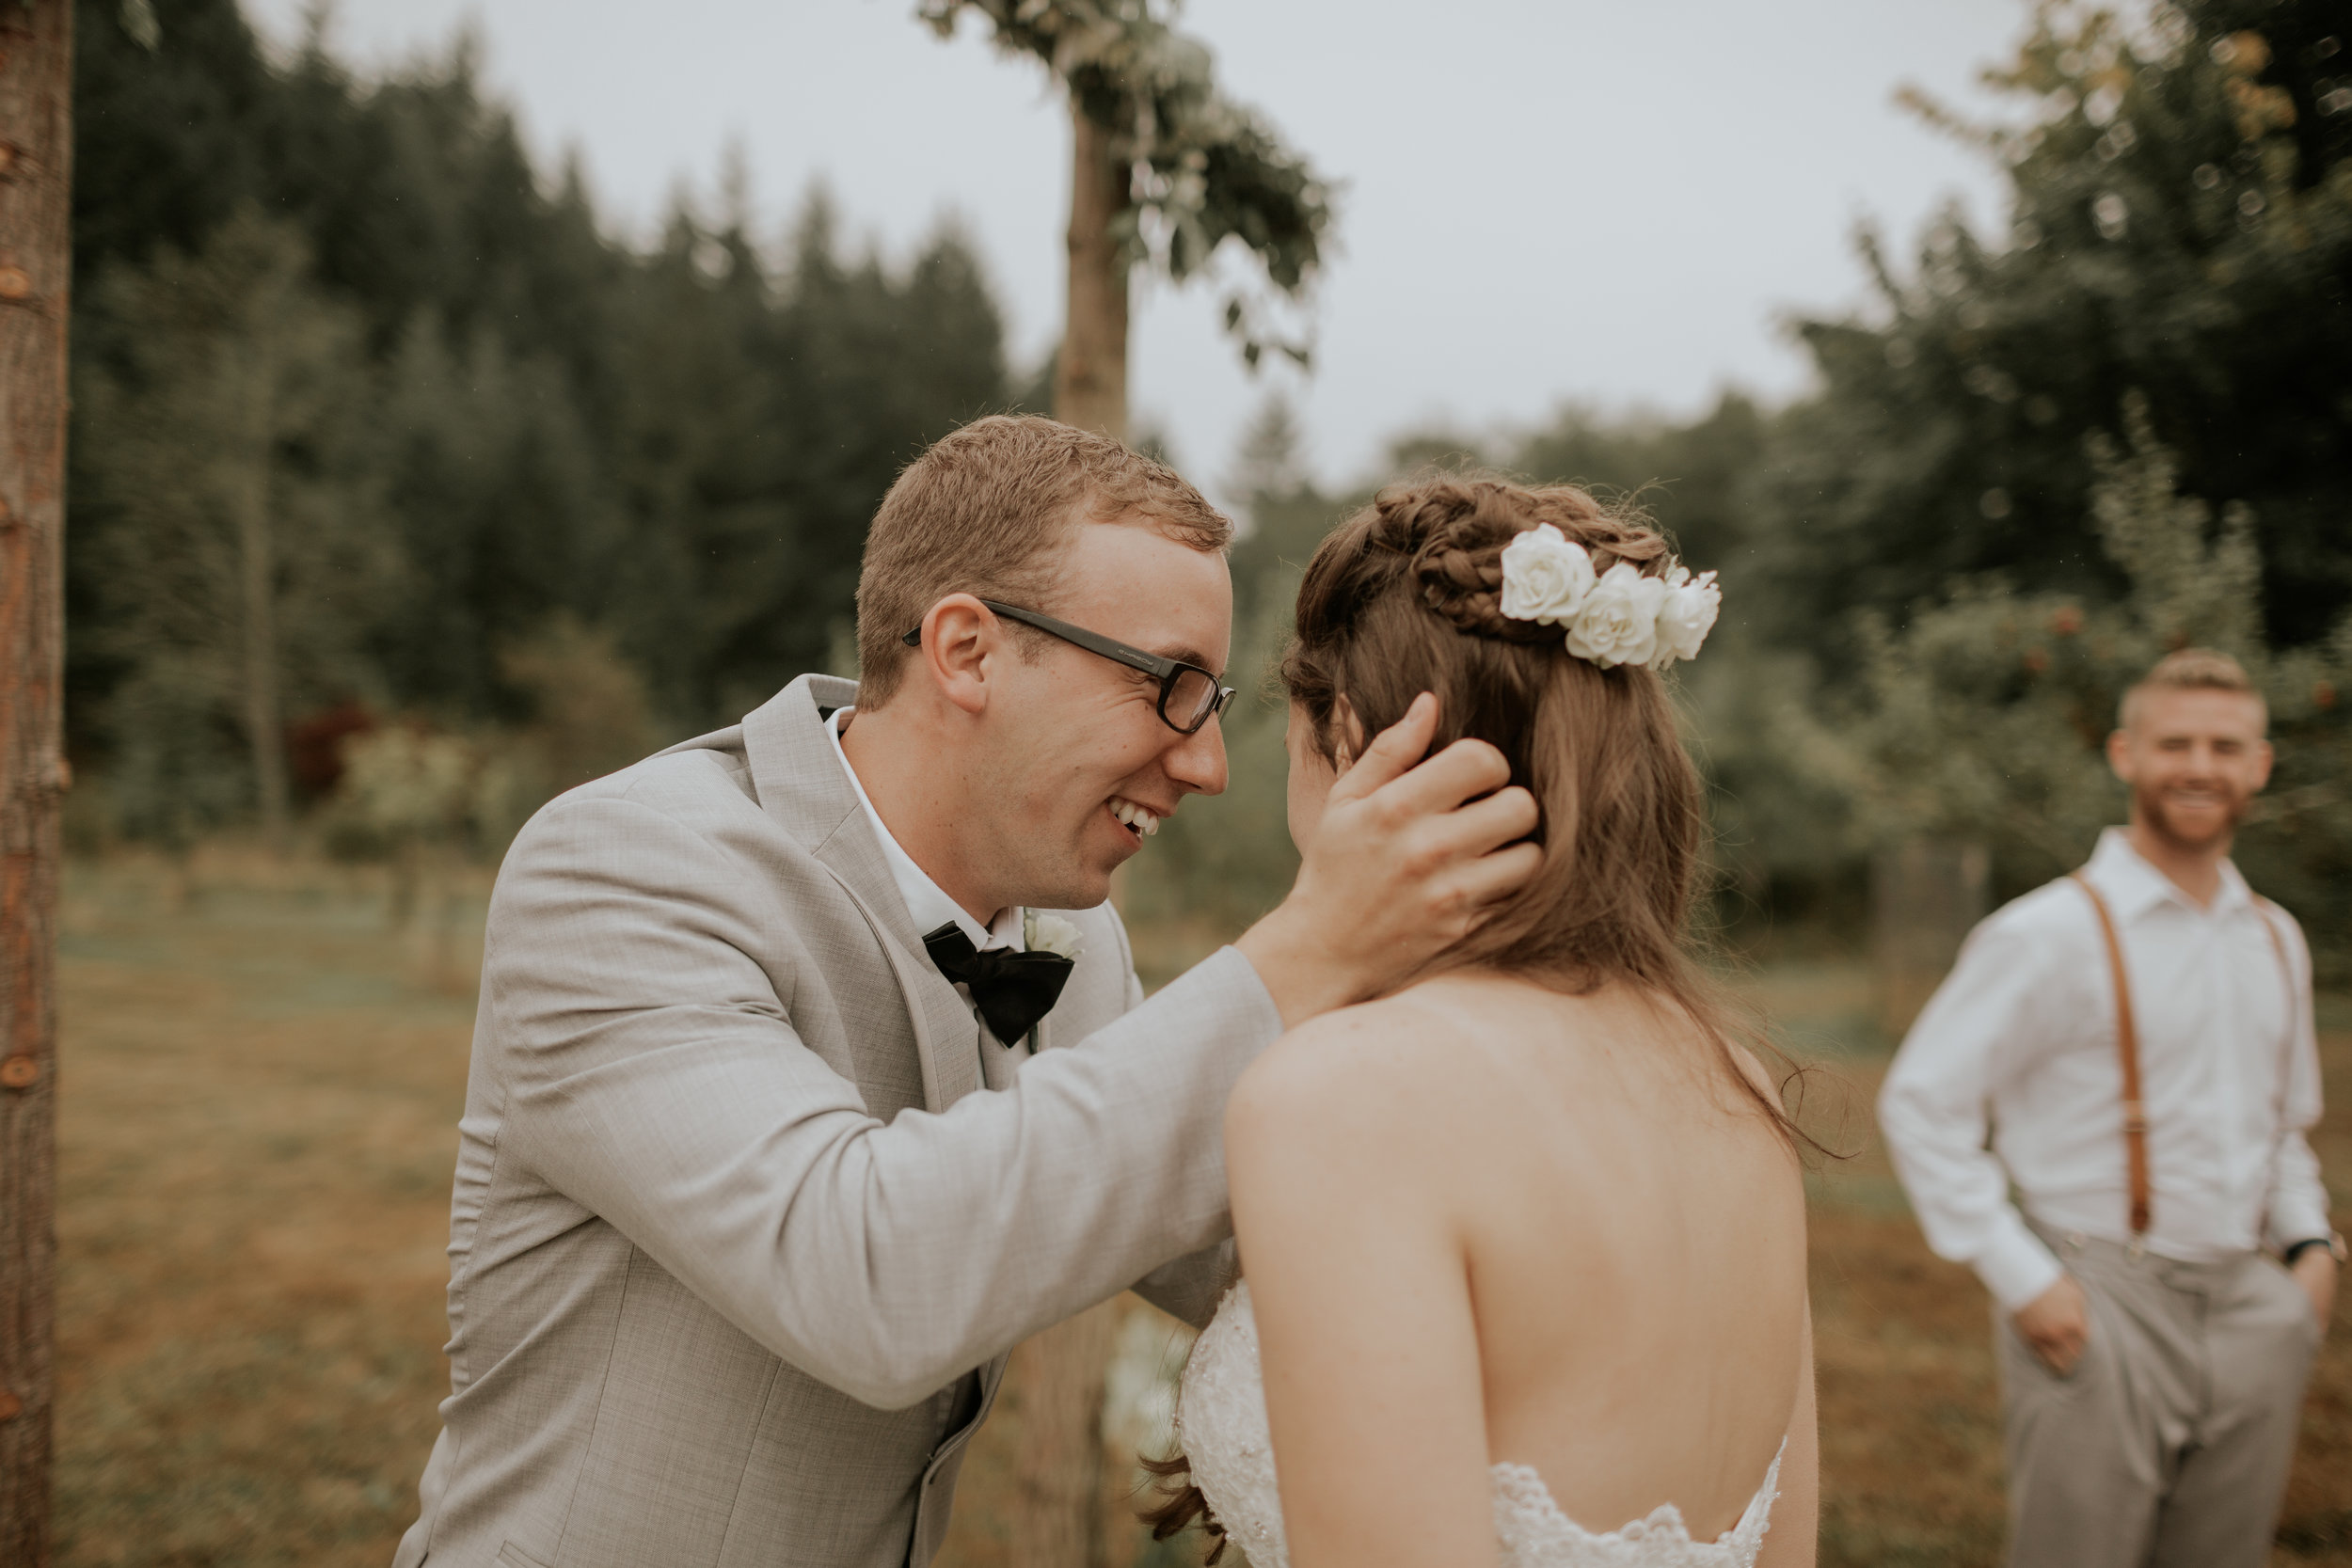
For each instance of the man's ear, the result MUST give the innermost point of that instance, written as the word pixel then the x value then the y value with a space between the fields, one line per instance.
pixel 2120 753
pixel 959 635
pixel 2263 758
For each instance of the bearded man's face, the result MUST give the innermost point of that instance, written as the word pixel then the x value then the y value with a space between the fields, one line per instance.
pixel 2194 759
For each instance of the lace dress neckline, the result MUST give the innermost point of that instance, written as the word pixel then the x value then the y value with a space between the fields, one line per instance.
pixel 1221 1421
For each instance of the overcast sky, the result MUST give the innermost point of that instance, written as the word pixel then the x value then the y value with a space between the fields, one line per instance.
pixel 1540 200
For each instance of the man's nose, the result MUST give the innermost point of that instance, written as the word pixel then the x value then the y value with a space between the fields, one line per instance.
pixel 1198 761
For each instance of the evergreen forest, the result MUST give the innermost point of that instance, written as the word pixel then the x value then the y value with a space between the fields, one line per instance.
pixel 405 492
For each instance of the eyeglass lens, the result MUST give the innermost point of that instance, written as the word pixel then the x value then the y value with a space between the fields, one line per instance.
pixel 1191 699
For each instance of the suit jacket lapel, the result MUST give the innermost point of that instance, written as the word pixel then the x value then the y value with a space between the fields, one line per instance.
pixel 800 784
pixel 946 1040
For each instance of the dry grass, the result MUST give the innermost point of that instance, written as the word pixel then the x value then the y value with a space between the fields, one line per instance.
pixel 259 1101
pixel 260 1095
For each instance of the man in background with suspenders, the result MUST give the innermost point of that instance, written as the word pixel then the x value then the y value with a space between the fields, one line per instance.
pixel 2137 1039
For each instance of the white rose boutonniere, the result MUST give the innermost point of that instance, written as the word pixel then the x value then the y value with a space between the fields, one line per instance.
pixel 1685 616
pixel 1618 624
pixel 1050 933
pixel 1545 576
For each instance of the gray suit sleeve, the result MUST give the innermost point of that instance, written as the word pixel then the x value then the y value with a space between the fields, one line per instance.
pixel 1189 1289
pixel 652 1074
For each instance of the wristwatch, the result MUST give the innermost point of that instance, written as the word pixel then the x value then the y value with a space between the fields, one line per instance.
pixel 2333 1241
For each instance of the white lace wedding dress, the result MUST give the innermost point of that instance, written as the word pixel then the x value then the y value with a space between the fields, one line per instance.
pixel 1221 1420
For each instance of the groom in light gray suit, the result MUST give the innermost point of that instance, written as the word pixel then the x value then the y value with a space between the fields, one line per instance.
pixel 752 1196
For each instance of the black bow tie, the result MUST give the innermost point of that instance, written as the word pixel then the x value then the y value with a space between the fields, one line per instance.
pixel 1011 990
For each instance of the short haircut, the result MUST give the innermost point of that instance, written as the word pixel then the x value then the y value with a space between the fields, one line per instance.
pixel 982 511
pixel 2191 670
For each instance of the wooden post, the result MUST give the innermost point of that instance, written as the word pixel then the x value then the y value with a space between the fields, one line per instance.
pixel 1055 1380
pixel 35 170
pixel 1091 387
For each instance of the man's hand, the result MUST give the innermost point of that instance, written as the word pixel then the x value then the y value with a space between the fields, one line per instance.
pixel 2316 1271
pixel 1406 862
pixel 2056 1323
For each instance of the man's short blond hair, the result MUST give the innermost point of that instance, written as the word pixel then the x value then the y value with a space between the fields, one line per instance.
pixel 985 510
pixel 2191 670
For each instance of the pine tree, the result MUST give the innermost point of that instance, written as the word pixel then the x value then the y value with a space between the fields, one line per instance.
pixel 236 521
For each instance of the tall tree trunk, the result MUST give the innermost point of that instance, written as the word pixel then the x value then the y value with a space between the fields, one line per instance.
pixel 1091 387
pixel 35 170
pixel 264 721
pixel 1056 1379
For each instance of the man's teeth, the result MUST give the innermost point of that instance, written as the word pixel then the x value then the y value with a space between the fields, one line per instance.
pixel 1135 816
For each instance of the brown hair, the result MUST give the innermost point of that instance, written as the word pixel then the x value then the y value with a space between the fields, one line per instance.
pixel 981 511
pixel 2189 670
pixel 1405 597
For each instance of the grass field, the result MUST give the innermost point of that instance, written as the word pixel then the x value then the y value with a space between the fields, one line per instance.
pixel 259 1091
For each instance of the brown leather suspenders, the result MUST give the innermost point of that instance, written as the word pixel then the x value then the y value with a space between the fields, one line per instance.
pixel 2127 1047
pixel 2127 1053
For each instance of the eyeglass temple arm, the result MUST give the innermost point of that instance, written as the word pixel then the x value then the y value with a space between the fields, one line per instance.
pixel 1150 664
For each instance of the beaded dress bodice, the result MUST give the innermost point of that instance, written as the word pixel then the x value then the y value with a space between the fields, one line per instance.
pixel 1221 1420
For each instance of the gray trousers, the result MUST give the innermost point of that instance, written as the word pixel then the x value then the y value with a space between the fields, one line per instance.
pixel 2168 1444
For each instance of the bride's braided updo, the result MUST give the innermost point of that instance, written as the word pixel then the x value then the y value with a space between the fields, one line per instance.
pixel 1405 597
pixel 1452 533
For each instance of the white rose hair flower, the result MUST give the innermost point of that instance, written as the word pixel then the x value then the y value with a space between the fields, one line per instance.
pixel 1618 624
pixel 1546 577
pixel 1685 616
pixel 1624 616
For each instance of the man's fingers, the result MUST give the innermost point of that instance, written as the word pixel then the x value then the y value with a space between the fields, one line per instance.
pixel 1392 752
pixel 1492 878
pixel 2060 1345
pixel 1504 817
pixel 1463 772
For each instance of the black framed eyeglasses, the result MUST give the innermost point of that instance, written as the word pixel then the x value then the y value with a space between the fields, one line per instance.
pixel 1189 696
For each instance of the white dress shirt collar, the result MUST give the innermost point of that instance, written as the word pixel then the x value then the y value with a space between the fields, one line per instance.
pixel 2133 886
pixel 929 908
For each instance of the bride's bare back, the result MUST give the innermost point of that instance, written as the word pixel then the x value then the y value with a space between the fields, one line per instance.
pixel 1485 1222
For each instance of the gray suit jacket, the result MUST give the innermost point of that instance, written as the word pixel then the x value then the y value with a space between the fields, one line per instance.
pixel 737 1249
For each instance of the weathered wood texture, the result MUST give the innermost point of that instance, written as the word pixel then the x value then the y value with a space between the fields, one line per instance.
pixel 1090 384
pixel 1056 1379
pixel 36 152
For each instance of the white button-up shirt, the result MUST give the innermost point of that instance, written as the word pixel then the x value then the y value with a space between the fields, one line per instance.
pixel 2021 1036
pixel 931 909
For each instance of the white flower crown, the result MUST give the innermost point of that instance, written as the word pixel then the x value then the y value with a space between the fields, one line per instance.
pixel 1618 617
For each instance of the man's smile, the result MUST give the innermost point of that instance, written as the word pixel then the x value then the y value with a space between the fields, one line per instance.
pixel 1139 820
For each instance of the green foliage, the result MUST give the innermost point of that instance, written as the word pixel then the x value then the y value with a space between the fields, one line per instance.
pixel 1986 716
pixel 2180 223
pixel 532 423
pixel 1205 170
pixel 232 528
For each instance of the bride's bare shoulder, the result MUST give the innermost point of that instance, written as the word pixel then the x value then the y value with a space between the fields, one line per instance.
pixel 1384 1070
pixel 1350 1108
